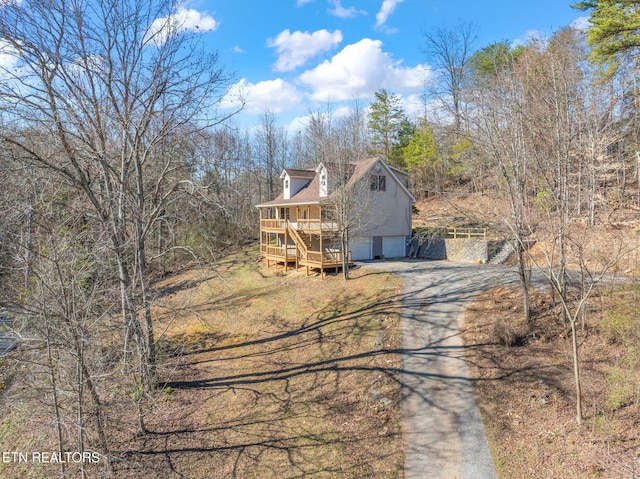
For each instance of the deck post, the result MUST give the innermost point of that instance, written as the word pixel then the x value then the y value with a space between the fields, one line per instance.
pixel 286 249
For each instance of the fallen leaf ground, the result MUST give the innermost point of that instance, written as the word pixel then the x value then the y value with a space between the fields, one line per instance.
pixel 526 392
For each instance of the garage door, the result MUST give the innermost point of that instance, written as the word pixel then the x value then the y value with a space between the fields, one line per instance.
pixel 393 246
pixel 360 248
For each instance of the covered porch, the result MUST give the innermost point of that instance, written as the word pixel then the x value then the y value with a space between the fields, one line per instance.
pixel 300 236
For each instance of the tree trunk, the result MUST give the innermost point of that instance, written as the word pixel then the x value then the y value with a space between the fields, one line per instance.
pixel 54 389
pixel 576 371
pixel 524 280
pixel 345 254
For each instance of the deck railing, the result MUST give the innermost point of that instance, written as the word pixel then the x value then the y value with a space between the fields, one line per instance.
pixel 326 257
pixel 279 251
pixel 273 224
pixel 456 233
pixel 312 224
pixel 319 258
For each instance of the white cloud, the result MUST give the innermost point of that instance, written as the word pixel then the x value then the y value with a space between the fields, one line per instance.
pixel 412 105
pixel 387 8
pixel 341 12
pixel 237 49
pixel 276 95
pixel 581 24
pixel 359 70
pixel 8 56
pixel 299 3
pixel 299 123
pixel 531 36
pixel 182 20
pixel 294 49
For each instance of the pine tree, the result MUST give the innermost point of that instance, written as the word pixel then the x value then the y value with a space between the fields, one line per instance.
pixel 385 122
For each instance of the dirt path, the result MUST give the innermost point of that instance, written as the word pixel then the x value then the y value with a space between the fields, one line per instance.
pixel 443 432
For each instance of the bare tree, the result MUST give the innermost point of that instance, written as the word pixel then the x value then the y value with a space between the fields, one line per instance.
pixel 548 126
pixel 318 136
pixel 63 317
pixel 350 197
pixel 271 151
pixel 500 128
pixel 102 92
pixel 449 52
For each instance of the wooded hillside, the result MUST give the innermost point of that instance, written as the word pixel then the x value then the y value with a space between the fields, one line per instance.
pixel 119 167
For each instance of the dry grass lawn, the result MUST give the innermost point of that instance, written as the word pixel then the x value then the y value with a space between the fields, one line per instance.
pixel 274 376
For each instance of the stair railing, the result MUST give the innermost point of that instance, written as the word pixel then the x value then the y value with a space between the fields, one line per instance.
pixel 297 239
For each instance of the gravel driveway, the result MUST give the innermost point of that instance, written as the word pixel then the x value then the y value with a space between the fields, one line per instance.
pixel 442 428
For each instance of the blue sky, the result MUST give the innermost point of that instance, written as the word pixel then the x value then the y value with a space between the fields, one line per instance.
pixel 297 56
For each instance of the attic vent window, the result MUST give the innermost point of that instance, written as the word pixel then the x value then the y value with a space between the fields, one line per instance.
pixel 323 180
pixel 378 183
pixel 286 184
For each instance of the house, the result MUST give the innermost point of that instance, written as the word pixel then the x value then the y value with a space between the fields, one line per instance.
pixel 301 227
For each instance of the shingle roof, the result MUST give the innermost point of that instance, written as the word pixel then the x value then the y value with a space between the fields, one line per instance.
pixel 293 173
pixel 310 194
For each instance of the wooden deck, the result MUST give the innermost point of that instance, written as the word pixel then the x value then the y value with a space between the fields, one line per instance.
pixel 310 242
pixel 321 260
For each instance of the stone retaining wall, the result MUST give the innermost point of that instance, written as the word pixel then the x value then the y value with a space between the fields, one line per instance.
pixel 460 249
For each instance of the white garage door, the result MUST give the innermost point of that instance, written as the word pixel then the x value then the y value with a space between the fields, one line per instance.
pixel 393 246
pixel 360 248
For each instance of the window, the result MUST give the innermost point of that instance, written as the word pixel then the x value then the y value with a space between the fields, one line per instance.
pixel 284 213
pixel 323 179
pixel 382 183
pixel 286 184
pixel 378 183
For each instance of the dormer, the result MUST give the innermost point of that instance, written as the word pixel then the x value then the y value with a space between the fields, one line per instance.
pixel 286 190
pixel 294 181
pixel 321 171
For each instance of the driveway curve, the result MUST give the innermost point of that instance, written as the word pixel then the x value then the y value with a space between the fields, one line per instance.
pixel 443 432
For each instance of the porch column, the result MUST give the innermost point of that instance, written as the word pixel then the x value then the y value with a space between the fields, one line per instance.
pixel 286 248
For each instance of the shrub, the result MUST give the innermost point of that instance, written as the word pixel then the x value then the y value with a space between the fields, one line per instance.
pixel 502 333
pixel 619 390
pixel 621 326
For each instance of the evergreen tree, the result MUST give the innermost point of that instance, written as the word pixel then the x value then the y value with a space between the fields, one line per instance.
pixel 422 151
pixel 614 30
pixel 386 122
pixel 495 58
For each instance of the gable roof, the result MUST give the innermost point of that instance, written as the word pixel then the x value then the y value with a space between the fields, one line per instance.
pixel 310 193
pixel 293 173
pixel 394 173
